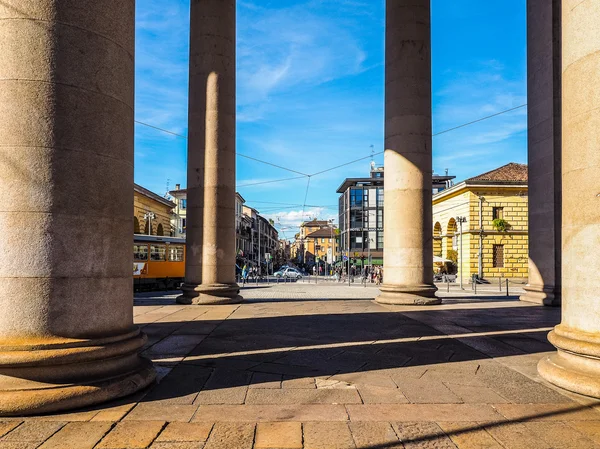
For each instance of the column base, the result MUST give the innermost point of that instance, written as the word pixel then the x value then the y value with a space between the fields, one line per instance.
pixel 60 374
pixel 547 296
pixel 422 295
pixel 576 365
pixel 210 294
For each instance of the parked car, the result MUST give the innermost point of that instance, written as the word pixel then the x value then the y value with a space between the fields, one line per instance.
pixel 288 273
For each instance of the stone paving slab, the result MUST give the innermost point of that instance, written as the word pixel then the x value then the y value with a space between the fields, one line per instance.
pixel 304 366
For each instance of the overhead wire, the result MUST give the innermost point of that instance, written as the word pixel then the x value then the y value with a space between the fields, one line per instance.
pixel 303 175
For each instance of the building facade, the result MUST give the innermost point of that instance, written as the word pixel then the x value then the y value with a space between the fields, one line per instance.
pixel 321 246
pixel 151 213
pixel 361 215
pixel 493 209
pixel 305 247
pixel 179 217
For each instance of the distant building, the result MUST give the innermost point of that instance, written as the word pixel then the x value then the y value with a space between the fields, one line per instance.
pixel 179 217
pixel 361 214
pixel 151 212
pixel 321 246
pixel 306 246
pixel 264 238
pixel 501 195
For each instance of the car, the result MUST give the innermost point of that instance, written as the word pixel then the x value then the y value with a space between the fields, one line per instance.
pixel 288 273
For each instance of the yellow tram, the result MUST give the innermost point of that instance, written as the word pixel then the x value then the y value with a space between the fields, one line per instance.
pixel 158 262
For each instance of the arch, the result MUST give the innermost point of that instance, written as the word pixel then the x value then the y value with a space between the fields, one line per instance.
pixel 136 225
pixel 437 239
pixel 447 240
pixel 160 230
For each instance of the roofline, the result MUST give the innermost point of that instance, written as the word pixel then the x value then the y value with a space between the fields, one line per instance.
pixel 341 189
pixel 144 191
pixel 487 184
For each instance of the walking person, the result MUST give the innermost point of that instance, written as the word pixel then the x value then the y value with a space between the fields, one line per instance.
pixel 244 274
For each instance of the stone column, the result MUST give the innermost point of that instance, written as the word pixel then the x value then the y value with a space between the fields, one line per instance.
pixel 408 234
pixel 67 337
pixel 544 145
pixel 210 266
pixel 576 365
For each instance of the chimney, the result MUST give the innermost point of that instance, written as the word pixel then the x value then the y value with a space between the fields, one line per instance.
pixel 177 186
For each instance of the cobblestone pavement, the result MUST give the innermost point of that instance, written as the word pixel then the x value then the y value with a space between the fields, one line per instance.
pixel 323 366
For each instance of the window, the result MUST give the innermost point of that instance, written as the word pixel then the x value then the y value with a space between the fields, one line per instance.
pixel 183 203
pixel 183 224
pixel 175 253
pixel 140 252
pixel 498 253
pixel 380 196
pixel 356 197
pixel 322 240
pixel 158 252
pixel 380 240
pixel 497 212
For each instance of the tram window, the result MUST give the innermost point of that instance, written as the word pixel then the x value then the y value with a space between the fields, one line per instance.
pixel 140 252
pixel 176 253
pixel 158 252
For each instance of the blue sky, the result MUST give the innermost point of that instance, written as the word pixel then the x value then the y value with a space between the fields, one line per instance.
pixel 310 94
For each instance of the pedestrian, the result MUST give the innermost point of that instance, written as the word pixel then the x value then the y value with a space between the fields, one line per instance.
pixel 244 274
pixel 378 276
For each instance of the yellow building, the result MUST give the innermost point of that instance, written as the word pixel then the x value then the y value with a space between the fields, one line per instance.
pixel 493 208
pixel 316 239
pixel 151 212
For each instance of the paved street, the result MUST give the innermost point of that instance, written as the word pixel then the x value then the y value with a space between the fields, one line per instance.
pixel 323 366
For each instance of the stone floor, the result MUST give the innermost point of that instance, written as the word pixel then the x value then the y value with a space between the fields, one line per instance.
pixel 323 366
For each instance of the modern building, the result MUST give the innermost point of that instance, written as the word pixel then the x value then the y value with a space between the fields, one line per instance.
pixel 151 213
pixel 361 215
pixel 493 209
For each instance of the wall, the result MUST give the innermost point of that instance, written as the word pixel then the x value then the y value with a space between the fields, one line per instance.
pixel 143 204
pixel 465 202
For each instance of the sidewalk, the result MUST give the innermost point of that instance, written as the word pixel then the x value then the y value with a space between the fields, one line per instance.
pixel 323 366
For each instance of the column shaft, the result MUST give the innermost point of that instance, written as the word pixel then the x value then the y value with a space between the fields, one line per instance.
pixel 67 337
pixel 210 266
pixel 544 150
pixel 408 234
pixel 576 365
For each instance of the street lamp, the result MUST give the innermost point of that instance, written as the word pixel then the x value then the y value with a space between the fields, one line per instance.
pixel 461 220
pixel 149 216
pixel 329 259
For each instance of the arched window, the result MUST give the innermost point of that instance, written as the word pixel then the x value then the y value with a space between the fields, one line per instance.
pixel 448 239
pixel 136 225
pixel 159 230
pixel 437 240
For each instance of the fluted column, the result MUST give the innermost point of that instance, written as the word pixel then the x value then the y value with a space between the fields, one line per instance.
pixel 544 150
pixel 67 337
pixel 210 266
pixel 408 235
pixel 576 365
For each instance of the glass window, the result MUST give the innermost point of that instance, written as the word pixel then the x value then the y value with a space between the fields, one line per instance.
pixel 498 212
pixel 175 253
pixel 140 252
pixel 183 223
pixel 158 252
pixel 183 203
